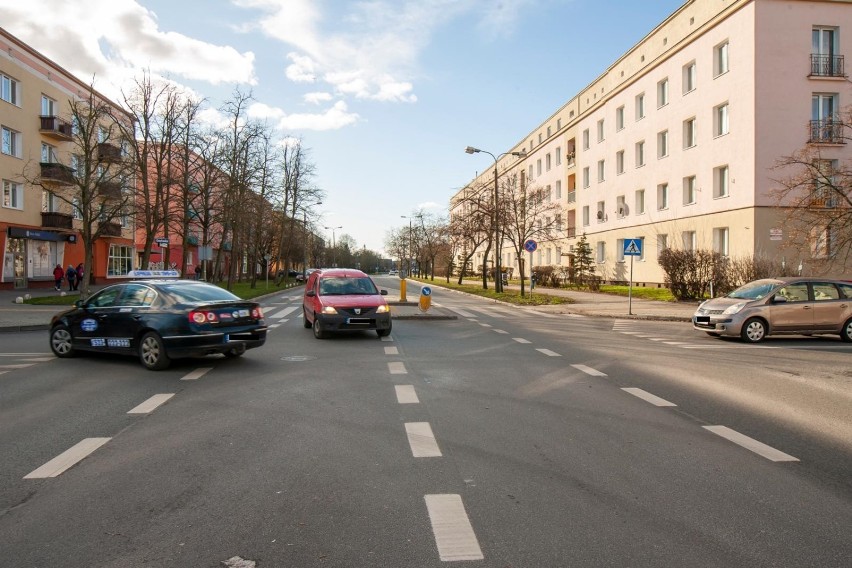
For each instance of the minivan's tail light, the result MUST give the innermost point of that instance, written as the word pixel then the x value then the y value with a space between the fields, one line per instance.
pixel 257 313
pixel 200 316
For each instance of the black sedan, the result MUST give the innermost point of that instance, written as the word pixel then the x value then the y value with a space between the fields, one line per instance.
pixel 159 320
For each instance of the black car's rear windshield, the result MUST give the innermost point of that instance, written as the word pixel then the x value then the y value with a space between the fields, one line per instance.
pixel 343 286
pixel 191 293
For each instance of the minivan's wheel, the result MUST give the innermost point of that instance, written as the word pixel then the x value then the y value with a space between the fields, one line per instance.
pixel 846 331
pixel 305 321
pixel 318 329
pixel 152 352
pixel 754 330
pixel 60 342
pixel 384 332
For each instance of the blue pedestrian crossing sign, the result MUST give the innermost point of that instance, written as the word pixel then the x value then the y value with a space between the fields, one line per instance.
pixel 632 247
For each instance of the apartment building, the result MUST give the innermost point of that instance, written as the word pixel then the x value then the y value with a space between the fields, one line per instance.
pixel 677 143
pixel 40 165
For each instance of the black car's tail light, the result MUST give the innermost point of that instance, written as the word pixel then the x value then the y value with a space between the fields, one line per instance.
pixel 200 316
pixel 257 313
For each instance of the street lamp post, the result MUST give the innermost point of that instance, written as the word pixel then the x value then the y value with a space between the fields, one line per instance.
pixel 410 245
pixel 333 246
pixel 305 261
pixel 498 274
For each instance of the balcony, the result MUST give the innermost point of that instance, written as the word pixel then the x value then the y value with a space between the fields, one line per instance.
pixel 826 65
pixel 55 220
pixel 110 190
pixel 55 127
pixel 109 152
pixel 56 173
pixel 826 131
pixel 570 158
pixel 110 229
pixel 822 203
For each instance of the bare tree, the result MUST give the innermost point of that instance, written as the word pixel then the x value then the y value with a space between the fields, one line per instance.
pixel 470 225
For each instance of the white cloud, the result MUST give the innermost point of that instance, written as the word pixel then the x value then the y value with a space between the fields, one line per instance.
pixel 334 118
pixel 302 70
pixel 317 97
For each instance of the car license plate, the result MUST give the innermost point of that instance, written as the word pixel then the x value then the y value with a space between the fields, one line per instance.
pixel 702 319
pixel 243 313
pixel 227 338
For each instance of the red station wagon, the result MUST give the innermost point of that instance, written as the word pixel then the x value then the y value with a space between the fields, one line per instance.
pixel 344 299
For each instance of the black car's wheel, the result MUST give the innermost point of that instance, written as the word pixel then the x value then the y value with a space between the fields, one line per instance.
pixel 384 332
pixel 152 352
pixel 846 332
pixel 754 330
pixel 60 342
pixel 305 321
pixel 318 333
pixel 237 351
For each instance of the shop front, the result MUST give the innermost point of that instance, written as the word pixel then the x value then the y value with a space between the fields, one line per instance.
pixel 30 255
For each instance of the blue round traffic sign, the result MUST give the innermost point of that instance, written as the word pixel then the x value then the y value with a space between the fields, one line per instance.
pixel 530 246
pixel 426 291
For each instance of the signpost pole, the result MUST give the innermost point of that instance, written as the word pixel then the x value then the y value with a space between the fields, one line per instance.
pixel 630 290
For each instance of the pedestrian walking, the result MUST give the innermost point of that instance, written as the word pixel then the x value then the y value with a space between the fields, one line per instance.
pixel 71 276
pixel 198 272
pixel 80 273
pixel 58 275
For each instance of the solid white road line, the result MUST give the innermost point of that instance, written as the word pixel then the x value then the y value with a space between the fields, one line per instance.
pixel 24 354
pixel 589 371
pixel 391 350
pixel 397 368
pixel 68 458
pixel 405 394
pixel 451 526
pixel 422 440
pixel 197 374
pixel 500 331
pixel 549 353
pixel 38 359
pixel 151 404
pixel 675 343
pixel 751 444
pixel 387 338
pixel 286 311
pixel 648 397
pixel 273 325
pixel 520 340
pixel 631 332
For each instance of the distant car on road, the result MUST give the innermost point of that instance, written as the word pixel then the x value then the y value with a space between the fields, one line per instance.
pixel 344 299
pixel 779 305
pixel 159 320
pixel 393 273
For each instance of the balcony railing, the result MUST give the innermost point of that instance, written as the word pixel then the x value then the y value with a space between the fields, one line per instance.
pixel 110 190
pixel 109 152
pixel 55 127
pixel 822 203
pixel 826 65
pixel 111 229
pixel 572 196
pixel 56 220
pixel 826 131
pixel 54 172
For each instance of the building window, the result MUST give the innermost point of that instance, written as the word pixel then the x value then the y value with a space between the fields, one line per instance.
pixel 48 153
pixel 120 261
pixel 663 144
pixel 559 189
pixel 530 175
pixel 75 208
pixel 825 126
pixel 538 167
pixel 547 162
pixel 586 180
pixel 601 214
pixel 822 242
pixel 548 132
pixel 601 252
pixel 621 206
pixel 640 106
pixel 640 154
pixel 601 130
pixel 689 135
pixel 689 190
pixel 639 201
pixel 663 93
pixel 13 195
pixel 601 170
pixel 825 61
pixel 558 155
pixel 663 196
pixel 721 181
pixel 720 59
pixel 619 162
pixel 619 118
pixel 720 241
pixel 689 240
pixel 49 202
pixel 689 77
pixel 662 243
pixel 720 120
pixel 619 250
pixel 585 215
pixel 558 123
pixel 48 106
pixel 9 90
pixel 11 145
pixel 586 139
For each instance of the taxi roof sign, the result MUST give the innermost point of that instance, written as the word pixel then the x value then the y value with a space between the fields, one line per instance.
pixel 154 274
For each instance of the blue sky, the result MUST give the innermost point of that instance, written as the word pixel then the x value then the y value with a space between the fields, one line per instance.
pixel 385 94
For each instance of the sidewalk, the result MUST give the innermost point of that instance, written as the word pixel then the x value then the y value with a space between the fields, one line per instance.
pixel 24 317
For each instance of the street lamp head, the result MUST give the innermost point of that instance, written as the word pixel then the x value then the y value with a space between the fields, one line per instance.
pixel 520 154
pixel 471 150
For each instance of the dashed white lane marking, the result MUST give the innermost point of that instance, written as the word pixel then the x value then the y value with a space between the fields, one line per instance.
pixel 397 368
pixel 405 394
pixel 485 324
pixel 500 331
pixel 151 404
pixel 286 311
pixel 675 343
pixel 387 338
pixel 273 325
pixel 520 340
pixel 631 333
pixel 3 372
pixel 648 397
pixel 24 354
pixel 658 338
pixel 197 374
pixel 68 458
pixel 462 313
pixel 392 350
pixel 422 440
pixel 451 526
pixel 751 444
pixel 549 353
pixel 38 359
pixel 18 366
pixel 589 371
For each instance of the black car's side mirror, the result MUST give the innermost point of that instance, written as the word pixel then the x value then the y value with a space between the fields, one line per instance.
pixel 310 293
pixel 383 292
pixel 79 303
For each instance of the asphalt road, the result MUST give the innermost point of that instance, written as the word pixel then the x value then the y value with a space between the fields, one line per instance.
pixel 504 438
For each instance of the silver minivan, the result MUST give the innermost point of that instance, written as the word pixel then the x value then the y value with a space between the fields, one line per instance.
pixel 779 305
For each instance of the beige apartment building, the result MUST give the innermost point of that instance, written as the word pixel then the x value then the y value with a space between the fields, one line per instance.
pixel 39 223
pixel 676 144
